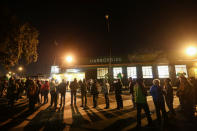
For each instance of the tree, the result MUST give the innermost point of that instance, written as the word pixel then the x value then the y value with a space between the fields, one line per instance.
pixel 17 40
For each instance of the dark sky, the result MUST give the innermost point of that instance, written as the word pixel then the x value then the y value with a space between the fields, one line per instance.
pixel 80 27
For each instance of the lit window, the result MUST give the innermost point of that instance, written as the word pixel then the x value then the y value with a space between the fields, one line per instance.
pixel 101 72
pixel 147 72
pixel 181 69
pixel 131 72
pixel 163 71
pixel 116 71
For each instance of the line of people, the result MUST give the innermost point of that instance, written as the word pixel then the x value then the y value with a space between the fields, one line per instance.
pixel 36 90
pixel 187 93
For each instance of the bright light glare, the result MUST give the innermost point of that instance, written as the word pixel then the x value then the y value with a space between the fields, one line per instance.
pixel 69 59
pixel 191 51
pixel 20 68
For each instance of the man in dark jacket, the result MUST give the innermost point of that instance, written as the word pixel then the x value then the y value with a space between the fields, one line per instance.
pixel 157 93
pixel 83 87
pixel 74 86
pixel 62 89
pixel 94 92
pixel 118 92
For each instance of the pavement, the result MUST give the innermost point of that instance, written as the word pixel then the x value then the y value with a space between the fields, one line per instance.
pixel 77 119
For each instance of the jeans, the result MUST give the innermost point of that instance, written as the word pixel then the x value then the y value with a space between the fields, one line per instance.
pixel 62 98
pixel 73 93
pixel 144 106
pixel 169 102
pixel 53 99
pixel 160 106
pixel 95 99
pixel 84 98
pixel 119 100
pixel 107 100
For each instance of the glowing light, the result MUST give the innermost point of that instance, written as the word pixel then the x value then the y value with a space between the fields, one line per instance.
pixel 107 16
pixel 20 68
pixel 191 51
pixel 69 59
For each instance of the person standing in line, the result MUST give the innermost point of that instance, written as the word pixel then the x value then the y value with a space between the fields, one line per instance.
pixel 157 93
pixel 32 94
pixel 74 86
pixel 139 95
pixel 193 81
pixel 45 90
pixel 38 91
pixel 131 86
pixel 94 92
pixel 53 92
pixel 186 93
pixel 106 88
pixel 168 93
pixel 83 87
pixel 11 92
pixel 62 89
pixel 118 92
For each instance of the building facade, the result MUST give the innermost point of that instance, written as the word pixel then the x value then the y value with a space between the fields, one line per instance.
pixel 145 66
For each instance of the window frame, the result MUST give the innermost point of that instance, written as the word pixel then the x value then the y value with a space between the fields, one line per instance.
pixel 147 76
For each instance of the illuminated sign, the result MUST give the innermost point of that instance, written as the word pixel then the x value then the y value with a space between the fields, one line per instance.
pixel 55 69
pixel 72 70
pixel 105 60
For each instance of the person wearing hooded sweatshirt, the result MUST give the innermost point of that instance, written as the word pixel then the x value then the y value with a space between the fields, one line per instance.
pixel 158 99
pixel 139 94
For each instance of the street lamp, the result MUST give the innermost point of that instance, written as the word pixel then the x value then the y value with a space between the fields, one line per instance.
pixel 69 59
pixel 20 68
pixel 191 51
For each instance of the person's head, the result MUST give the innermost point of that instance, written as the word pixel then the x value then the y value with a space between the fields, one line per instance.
pixel 156 82
pixel 63 81
pixel 118 80
pixel 182 78
pixel 75 80
pixel 140 81
pixel 130 79
pixel 167 81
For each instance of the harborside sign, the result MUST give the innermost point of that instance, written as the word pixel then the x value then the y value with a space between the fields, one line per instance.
pixel 106 60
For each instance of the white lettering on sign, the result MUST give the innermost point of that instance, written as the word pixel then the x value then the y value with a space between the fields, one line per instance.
pixel 105 60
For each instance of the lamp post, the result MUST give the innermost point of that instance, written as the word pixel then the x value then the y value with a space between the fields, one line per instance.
pixel 107 17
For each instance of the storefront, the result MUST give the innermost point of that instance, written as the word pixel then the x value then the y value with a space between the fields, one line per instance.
pixel 100 68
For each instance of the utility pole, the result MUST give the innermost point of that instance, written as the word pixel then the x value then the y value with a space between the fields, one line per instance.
pixel 107 17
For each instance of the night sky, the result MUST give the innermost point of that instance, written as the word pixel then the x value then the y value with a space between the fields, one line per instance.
pixel 80 28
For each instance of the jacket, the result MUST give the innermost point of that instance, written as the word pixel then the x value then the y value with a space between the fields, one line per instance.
pixel 139 95
pixel 74 86
pixel 156 92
